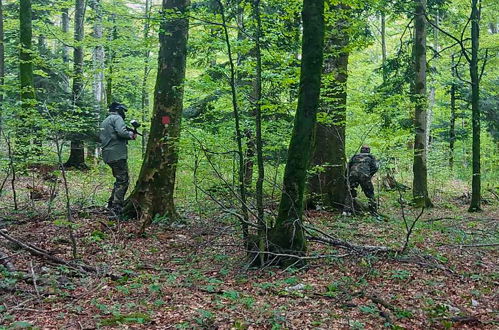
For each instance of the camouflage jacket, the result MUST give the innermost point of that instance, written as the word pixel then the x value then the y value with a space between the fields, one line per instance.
pixel 363 163
pixel 114 138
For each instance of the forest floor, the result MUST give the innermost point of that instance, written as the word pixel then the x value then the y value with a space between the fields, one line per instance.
pixel 194 275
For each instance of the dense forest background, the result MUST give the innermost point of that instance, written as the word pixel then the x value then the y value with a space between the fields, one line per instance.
pixel 250 111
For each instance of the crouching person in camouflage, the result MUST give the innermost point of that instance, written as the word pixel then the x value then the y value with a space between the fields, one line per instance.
pixel 361 169
pixel 114 137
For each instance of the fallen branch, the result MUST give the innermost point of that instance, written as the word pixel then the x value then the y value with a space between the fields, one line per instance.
pixel 349 246
pixel 476 245
pixel 46 255
pixel 462 319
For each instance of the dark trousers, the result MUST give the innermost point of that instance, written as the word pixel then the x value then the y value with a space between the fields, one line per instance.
pixel 364 181
pixel 120 173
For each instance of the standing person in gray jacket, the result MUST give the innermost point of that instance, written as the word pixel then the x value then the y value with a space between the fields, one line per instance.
pixel 114 137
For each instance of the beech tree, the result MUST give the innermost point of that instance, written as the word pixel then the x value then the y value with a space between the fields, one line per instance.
pixel 154 191
pixel 328 182
pixel 287 234
pixel 420 180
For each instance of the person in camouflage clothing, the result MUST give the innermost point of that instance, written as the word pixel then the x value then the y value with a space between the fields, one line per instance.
pixel 361 169
pixel 114 137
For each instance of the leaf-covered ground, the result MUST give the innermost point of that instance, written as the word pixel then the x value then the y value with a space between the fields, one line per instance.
pixel 194 275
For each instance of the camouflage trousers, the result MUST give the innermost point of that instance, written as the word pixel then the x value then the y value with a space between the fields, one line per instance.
pixel 120 173
pixel 364 181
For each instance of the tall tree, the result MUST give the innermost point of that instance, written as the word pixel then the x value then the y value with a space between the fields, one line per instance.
pixel 2 64
pixel 452 126
pixel 475 107
pixel 420 180
pixel 77 154
pixel 153 194
pixel 288 234
pixel 328 183
pixel 98 67
pixel 147 54
pixel 26 67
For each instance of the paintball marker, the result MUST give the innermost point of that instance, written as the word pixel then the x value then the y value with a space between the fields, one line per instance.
pixel 135 125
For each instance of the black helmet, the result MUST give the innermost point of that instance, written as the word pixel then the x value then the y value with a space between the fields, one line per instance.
pixel 365 149
pixel 119 108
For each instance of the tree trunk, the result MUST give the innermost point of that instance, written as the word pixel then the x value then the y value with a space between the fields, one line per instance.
pixel 98 66
pixel 26 71
pixel 153 194
pixel 2 65
pixel 64 48
pixel 237 124
pixel 147 55
pixel 288 234
pixel 110 59
pixel 475 108
pixel 328 184
pixel 257 101
pixel 420 180
pixel 452 127
pixel 77 154
pixel 383 45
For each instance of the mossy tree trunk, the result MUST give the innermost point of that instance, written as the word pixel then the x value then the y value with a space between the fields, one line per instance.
pixel 475 108
pixel 77 153
pixel 154 192
pixel 288 234
pixel 420 180
pixel 327 184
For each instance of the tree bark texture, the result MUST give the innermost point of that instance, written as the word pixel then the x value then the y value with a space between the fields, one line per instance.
pixel 77 153
pixel 475 204
pixel 328 183
pixel 420 180
pixel 288 234
pixel 154 192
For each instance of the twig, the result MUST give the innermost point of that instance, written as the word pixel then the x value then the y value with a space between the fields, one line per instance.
pixel 33 275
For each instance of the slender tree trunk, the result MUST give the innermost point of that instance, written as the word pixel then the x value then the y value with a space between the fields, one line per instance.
pixel 2 65
pixel 452 127
pixel 65 49
pixel 147 55
pixel 26 70
pixel 110 59
pixel 238 132
pixel 154 192
pixel 475 107
pixel 288 234
pixel 257 99
pixel 98 87
pixel 383 45
pixel 329 183
pixel 77 154
pixel 420 181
